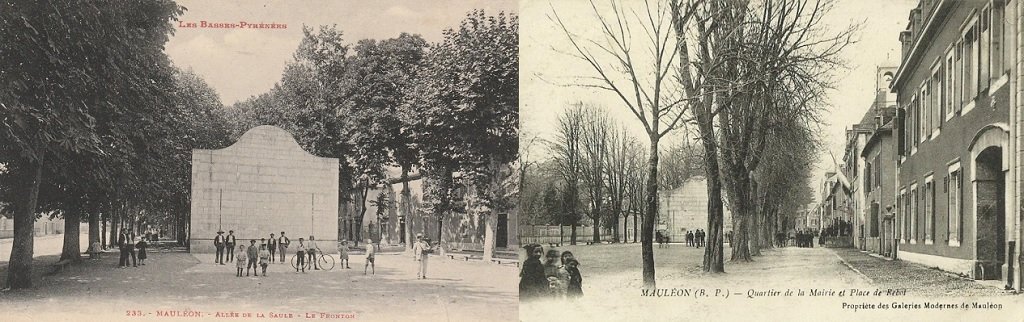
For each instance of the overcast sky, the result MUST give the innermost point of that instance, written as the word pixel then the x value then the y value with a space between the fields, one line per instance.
pixel 546 69
pixel 239 63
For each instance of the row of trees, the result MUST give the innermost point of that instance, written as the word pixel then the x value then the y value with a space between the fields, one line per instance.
pixel 97 124
pixel 745 78
pixel 446 110
pixel 595 174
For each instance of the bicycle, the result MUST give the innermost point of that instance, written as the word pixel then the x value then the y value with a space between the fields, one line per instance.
pixel 323 260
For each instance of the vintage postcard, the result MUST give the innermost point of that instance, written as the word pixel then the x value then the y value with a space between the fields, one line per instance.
pixel 179 160
pixel 771 160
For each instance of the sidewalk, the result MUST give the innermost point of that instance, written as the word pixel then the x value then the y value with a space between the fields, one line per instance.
pixel 917 279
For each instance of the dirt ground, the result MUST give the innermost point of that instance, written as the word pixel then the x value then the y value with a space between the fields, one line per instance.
pixel 176 286
pixel 748 291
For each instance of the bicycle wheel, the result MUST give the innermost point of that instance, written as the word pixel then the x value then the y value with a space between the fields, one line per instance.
pixel 305 263
pixel 326 262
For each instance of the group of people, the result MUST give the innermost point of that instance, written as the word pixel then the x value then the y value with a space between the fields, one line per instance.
pixel 557 278
pixel 804 238
pixel 131 247
pixel 695 238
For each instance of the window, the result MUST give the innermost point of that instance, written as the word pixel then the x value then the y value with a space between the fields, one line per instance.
pixel 915 209
pixel 929 210
pixel 955 208
pixel 900 213
pixel 997 28
pixel 878 171
pixel 958 79
pixel 970 66
pixel 874 219
pixel 984 52
pixel 936 97
pixel 947 86
pixel 926 115
pixel 867 177
pixel 918 134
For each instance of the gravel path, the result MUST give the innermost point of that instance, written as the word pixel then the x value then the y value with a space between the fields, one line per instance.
pixel 180 284
pixel 917 279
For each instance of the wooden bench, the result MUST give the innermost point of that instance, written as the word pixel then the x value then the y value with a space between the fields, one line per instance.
pixel 555 244
pixel 464 256
pixel 505 261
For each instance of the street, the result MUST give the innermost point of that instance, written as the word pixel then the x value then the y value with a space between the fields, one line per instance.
pixel 755 290
pixel 42 246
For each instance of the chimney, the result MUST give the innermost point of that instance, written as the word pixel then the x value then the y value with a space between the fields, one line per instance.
pixel 906 38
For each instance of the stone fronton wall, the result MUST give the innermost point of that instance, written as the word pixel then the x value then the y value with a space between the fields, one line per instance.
pixel 265 183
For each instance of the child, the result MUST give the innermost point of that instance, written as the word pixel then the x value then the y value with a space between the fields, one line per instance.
pixel 300 256
pixel 264 258
pixel 343 250
pixel 141 246
pixel 369 257
pixel 575 289
pixel 240 260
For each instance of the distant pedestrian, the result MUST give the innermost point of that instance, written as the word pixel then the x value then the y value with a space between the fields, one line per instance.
pixel 253 254
pixel 141 246
pixel 240 262
pixel 218 242
pixel 229 245
pixel 343 253
pixel 264 259
pixel 123 239
pixel 422 250
pixel 132 252
pixel 532 283
pixel 689 238
pixel 272 247
pixel 282 245
pixel 300 256
pixel 369 257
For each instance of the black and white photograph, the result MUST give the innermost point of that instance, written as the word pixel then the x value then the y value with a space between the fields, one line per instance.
pixel 766 160
pixel 259 160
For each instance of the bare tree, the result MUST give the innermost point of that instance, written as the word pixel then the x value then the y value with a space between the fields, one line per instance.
pixel 568 156
pixel 641 79
pixel 595 142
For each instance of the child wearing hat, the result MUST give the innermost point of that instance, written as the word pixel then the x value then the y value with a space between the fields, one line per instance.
pixel 343 251
pixel 370 251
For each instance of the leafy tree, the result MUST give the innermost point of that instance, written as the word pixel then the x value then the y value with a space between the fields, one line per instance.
pixel 59 62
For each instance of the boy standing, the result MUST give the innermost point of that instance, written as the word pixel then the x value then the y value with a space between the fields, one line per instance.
pixel 253 254
pixel 343 253
pixel 369 257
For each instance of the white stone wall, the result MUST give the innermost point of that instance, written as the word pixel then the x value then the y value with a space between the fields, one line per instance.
pixel 686 208
pixel 265 183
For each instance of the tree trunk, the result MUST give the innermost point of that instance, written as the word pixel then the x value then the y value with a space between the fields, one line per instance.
pixel 491 216
pixel 625 231
pixel 406 208
pixel 72 244
pixel 597 229
pixel 103 229
pixel 635 227
pixel 19 269
pixel 647 232
pixel 754 228
pixel 94 227
pixel 572 234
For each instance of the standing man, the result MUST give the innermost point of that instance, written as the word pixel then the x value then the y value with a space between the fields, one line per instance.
pixel 422 250
pixel 282 244
pixel 123 239
pixel 253 254
pixel 311 251
pixel 272 246
pixel 230 243
pixel 689 238
pixel 219 243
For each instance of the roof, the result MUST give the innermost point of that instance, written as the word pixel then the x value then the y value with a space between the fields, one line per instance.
pixel 876 137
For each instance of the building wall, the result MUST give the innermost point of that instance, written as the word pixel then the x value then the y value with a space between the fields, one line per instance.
pixel 264 183
pixel 947 146
pixel 686 209
pixel 882 194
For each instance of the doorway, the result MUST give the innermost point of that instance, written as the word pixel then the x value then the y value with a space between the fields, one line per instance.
pixel 990 187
